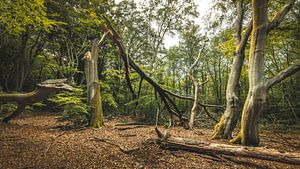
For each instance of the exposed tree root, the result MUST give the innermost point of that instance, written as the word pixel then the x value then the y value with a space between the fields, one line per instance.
pixel 237 139
pixel 219 129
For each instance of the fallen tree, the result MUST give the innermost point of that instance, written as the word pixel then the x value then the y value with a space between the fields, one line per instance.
pixel 163 93
pixel 44 90
pixel 169 142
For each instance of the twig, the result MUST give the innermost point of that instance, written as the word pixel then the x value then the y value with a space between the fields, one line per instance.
pixel 126 151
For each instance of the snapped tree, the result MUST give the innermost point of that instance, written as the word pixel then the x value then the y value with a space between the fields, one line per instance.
pixel 92 83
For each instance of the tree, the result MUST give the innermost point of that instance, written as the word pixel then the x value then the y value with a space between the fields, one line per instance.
pixel 165 17
pixel 25 22
pixel 93 88
pixel 18 16
pixel 258 84
pixel 229 119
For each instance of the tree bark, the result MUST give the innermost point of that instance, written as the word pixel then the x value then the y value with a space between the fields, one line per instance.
pixel 96 119
pixel 195 107
pixel 257 93
pixel 93 89
pixel 258 85
pixel 227 123
pixel 21 62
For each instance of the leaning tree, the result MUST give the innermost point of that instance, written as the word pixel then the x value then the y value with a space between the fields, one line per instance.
pixel 227 123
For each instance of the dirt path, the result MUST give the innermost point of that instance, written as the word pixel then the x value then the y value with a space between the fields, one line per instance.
pixel 34 142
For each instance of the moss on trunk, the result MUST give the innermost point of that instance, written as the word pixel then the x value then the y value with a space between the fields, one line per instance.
pixel 96 120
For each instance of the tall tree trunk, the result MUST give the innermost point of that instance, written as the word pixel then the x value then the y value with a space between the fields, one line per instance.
pixel 258 85
pixel 229 119
pixel 93 89
pixel 20 72
pixel 257 93
pixel 195 107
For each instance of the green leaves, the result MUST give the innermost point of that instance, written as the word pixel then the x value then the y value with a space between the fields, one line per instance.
pixel 73 107
pixel 18 15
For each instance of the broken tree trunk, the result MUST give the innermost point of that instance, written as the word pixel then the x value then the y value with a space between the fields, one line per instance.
pixel 44 90
pixel 169 142
pixel 195 107
pixel 93 88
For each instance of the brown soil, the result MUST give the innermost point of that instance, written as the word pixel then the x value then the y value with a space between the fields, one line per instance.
pixel 37 142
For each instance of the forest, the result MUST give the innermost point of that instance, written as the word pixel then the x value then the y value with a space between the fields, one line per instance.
pixel 150 84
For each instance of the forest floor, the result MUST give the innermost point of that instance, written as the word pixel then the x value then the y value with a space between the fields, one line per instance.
pixel 39 141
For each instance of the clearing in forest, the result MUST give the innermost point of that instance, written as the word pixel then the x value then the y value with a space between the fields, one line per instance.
pixel 39 141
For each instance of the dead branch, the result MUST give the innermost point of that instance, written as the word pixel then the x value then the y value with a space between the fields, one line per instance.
pixel 130 128
pixel 132 123
pixel 127 135
pixel 209 115
pixel 109 141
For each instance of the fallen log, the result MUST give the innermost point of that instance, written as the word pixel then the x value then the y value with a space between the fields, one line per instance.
pixel 169 142
pixel 133 124
pixel 43 91
pixel 131 128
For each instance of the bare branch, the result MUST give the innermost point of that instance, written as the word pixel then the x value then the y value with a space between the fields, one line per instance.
pixel 239 20
pixel 203 83
pixel 102 39
pixel 282 75
pixel 118 41
pixel 278 18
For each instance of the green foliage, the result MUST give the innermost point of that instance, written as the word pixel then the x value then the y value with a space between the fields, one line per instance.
pixel 8 107
pixel 28 109
pixel 72 106
pixel 18 15
pixel 228 47
pixel 53 35
pixel 107 98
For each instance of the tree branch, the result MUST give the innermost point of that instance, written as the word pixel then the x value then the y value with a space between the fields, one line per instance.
pixel 170 142
pixel 239 20
pixel 164 97
pixel 278 18
pixel 282 75
pixel 245 38
pixel 118 41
